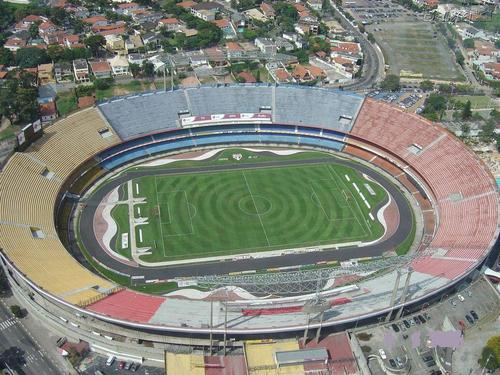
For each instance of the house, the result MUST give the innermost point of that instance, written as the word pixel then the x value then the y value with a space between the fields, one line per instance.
pixel 315 4
pixel 96 21
pixel 266 45
pixel 27 21
pixel 81 70
pixel 119 65
pixel 133 43
pixel 306 74
pixel 48 112
pixel 281 75
pixel 46 27
pixel 247 77
pixel 206 11
pixel 136 58
pixel 191 81
pixel 143 16
pixel 46 74
pixel 100 69
pixel 295 38
pixel 267 10
pixel 115 43
pixel 170 24
pixel 340 48
pixel 282 43
pixel 343 66
pixel 256 15
pixel 153 40
pixel 187 5
pixel 491 70
pixel 226 26
pixel 301 9
pixel 72 41
pixel 308 24
pixel 125 8
pixel 14 43
pixel 63 72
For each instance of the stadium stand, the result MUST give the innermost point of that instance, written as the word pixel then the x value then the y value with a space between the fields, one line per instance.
pixel 319 107
pixel 228 99
pixel 127 114
pixel 27 232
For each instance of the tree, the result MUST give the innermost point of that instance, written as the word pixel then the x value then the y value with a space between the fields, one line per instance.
pixel 371 38
pixel 468 43
pixel 31 57
pixel 55 52
pixel 33 30
pixel 257 76
pixel 94 43
pixel 135 69
pixel 390 83
pixel 6 57
pixel 148 68
pixel 17 311
pixel 466 111
pixel 103 84
pixel 490 356
pixel 497 43
pixel 434 107
pixel 460 58
pixel 427 85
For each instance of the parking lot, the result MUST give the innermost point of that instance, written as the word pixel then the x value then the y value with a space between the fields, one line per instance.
pixel 406 345
pixel 95 362
pixel 369 12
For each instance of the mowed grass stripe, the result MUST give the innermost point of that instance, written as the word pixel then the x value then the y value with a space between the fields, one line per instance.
pixel 262 209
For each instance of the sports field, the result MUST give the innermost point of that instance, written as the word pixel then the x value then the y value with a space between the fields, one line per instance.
pixel 246 210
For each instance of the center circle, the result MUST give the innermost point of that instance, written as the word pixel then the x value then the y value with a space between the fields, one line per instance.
pixel 254 205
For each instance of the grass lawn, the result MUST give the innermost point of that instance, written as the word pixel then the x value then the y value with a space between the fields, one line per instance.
pixel 240 211
pixel 120 214
pixel 123 89
pixel 9 132
pixel 477 101
pixel 66 103
pixel 492 24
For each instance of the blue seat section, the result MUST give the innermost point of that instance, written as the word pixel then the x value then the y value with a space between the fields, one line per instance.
pixel 228 128
pixel 321 142
pixel 230 99
pixel 170 134
pixel 227 138
pixel 283 128
pixel 124 158
pixel 278 138
pixel 305 129
pixel 145 113
pixel 169 146
pixel 333 133
pixel 316 106
pixel 124 146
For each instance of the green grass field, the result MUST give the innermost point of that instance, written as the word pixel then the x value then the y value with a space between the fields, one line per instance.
pixel 241 211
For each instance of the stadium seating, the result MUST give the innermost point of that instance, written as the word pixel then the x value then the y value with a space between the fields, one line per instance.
pixel 143 114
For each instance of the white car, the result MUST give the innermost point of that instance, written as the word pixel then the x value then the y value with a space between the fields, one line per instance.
pixel 460 297
pixel 382 353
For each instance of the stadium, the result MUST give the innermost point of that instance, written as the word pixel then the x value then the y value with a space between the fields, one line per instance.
pixel 210 215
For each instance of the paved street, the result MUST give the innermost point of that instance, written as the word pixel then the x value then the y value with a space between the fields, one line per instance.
pixel 19 349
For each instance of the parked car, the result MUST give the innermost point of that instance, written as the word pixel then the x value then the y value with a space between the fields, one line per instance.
pixel 127 366
pixel 400 362
pixel 382 354
pixel 395 328
pixel 474 315
pixel 430 363
pixel 416 320
pixel 407 325
pixel 426 316
pixel 412 322
pixel 421 318
pixel 427 358
pixel 134 367
pixel 469 292
pixel 436 372
pixel 469 319
pixel 110 360
pixel 392 362
pixel 121 365
pixel 453 302
pixel 460 297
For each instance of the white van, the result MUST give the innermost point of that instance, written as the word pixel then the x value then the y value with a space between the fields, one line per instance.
pixel 110 360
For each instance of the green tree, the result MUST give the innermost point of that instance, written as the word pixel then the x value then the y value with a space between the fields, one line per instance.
pixel 33 30
pixel 466 111
pixel 95 43
pixel 390 83
pixel 468 43
pixel 148 68
pixel 371 38
pixel 490 355
pixel 6 57
pixel 103 84
pixel 257 76
pixel 460 58
pixel 135 69
pixel 427 85
pixel 497 43
pixel 31 57
pixel 17 311
pixel 434 107
pixel 55 52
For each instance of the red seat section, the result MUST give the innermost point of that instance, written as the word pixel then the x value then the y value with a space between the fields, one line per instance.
pixel 128 305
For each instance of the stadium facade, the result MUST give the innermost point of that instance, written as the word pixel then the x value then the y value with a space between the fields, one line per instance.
pixel 455 193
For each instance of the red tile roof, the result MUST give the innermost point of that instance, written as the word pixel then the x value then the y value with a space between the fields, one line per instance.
pixel 186 4
pixel 169 21
pixel 100 66
pixel 221 24
pixel 233 46
pixel 48 109
pixel 248 77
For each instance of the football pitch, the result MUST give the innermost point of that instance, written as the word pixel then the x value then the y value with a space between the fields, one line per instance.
pixel 246 210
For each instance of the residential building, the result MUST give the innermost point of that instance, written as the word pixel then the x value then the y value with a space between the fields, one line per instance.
pixel 491 70
pixel 48 112
pixel 63 72
pixel 315 4
pixel 46 74
pixel 136 58
pixel 206 11
pixel 266 45
pixel 46 27
pixel 115 43
pixel 308 73
pixel 187 5
pixel 133 43
pixel 96 21
pixel 72 41
pixel 227 28
pixel 268 10
pixel 283 44
pixel 14 43
pixel 119 65
pixel 170 24
pixel 100 69
pixel 126 8
pixel 256 14
pixel 81 70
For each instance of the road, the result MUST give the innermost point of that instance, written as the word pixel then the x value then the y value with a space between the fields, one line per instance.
pixel 19 350
pixel 88 239
pixel 373 64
